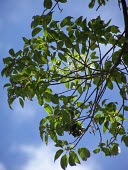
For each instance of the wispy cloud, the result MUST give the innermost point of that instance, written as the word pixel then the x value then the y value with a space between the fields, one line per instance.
pixel 42 157
pixel 2 167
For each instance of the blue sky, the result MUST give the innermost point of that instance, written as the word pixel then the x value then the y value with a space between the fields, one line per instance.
pixel 20 145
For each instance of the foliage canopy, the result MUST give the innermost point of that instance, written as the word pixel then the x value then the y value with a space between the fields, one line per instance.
pixel 65 67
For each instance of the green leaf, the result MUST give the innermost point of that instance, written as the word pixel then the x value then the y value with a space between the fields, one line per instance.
pixel 111 106
pixel 40 100
pixel 58 153
pixel 10 101
pixel 114 29
pixel 125 140
pixel 80 89
pixel 101 120
pixel 55 99
pixel 67 85
pixel 59 130
pixel 7 85
pixel 105 126
pixel 11 52
pixel 67 41
pixel 84 153
pixel 46 138
pixel 125 58
pixel 93 55
pixel 25 40
pixel 66 21
pixel 91 4
pixel 60 143
pixel 108 65
pixel 123 93
pixel 21 102
pixel 105 25
pixel 64 162
pixel 78 21
pixel 34 23
pixel 47 96
pixel 125 108
pixel 7 60
pixel 36 31
pixel 115 150
pixel 4 72
pixel 113 128
pixel 62 57
pixel 48 108
pixel 96 150
pixel 62 1
pixel 47 4
pixel 71 161
pixel 104 101
pixel 106 151
pixel 53 135
pixel 73 158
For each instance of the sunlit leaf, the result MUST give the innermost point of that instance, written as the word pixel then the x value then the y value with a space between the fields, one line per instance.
pixel 48 108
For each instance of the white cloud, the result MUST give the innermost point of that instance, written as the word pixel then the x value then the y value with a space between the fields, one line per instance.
pixel 42 157
pixel 2 167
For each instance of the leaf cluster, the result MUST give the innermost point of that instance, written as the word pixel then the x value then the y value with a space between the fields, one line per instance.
pixel 64 66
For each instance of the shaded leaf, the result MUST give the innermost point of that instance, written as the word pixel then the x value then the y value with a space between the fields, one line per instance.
pixel 58 153
pixel 25 39
pixel 62 57
pixel 84 153
pixel 11 52
pixel 62 1
pixel 91 4
pixel 125 140
pixel 55 99
pixel 96 150
pixel 66 21
pixel 125 108
pixel 36 31
pixel 64 162
pixel 106 151
pixel 114 29
pixel 48 4
pixel 7 85
pixel 115 150
pixel 60 130
pixel 73 158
